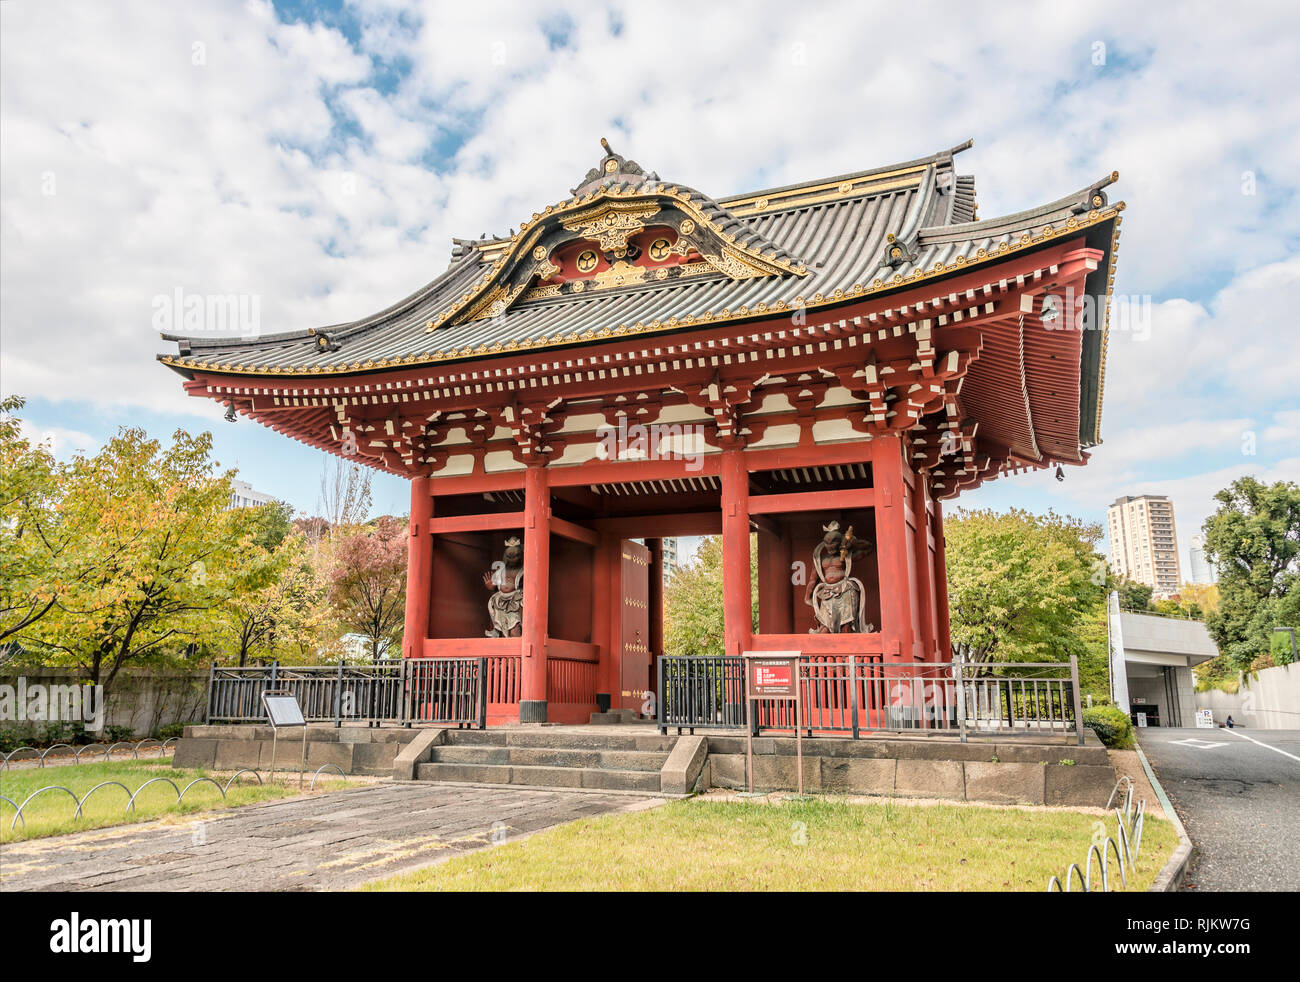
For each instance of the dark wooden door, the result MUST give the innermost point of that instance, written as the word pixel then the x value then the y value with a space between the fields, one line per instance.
pixel 634 650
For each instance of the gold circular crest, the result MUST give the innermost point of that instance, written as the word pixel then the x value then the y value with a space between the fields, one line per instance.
pixel 687 227
pixel 611 165
pixel 586 261
pixel 539 253
pixel 660 249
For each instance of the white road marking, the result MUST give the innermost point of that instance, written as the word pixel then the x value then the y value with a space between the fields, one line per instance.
pixel 1198 744
pixel 1264 745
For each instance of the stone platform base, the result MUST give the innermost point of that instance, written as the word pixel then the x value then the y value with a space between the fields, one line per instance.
pixel 354 749
pixel 633 756
pixel 1008 773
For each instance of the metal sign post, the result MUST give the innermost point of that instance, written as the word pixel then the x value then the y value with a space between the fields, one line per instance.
pixel 771 676
pixel 282 709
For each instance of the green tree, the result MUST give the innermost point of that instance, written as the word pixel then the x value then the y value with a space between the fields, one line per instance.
pixel 275 603
pixel 41 554
pixel 1021 585
pixel 1253 539
pixel 693 622
pixel 162 556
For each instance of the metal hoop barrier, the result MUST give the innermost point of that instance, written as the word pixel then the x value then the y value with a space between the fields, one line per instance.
pixel 200 780
pixel 39 791
pixel 245 770
pixel 1069 876
pixel 1108 845
pixel 36 754
pixel 1126 844
pixel 1087 876
pixel 50 750
pixel 10 756
pixel 312 786
pixel 14 805
pixel 103 784
pixel 1124 779
pixel 130 805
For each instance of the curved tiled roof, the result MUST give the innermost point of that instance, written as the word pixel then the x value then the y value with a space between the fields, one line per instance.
pixel 825 242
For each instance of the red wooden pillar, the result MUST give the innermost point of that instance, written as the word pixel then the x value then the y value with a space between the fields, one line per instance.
pixel 537 567
pixel 924 562
pixel 419 569
pixel 891 547
pixel 941 586
pixel 737 604
pixel 656 604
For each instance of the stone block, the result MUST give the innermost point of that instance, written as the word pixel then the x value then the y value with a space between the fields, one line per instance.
pixel 1005 783
pixel 850 775
pixel 191 752
pixel 930 779
pixel 373 758
pixel 327 753
pixel 234 754
pixel 1082 784
pixel 726 770
pixel 682 768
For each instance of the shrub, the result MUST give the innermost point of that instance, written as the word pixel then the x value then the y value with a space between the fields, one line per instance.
pixel 171 730
pixel 1112 726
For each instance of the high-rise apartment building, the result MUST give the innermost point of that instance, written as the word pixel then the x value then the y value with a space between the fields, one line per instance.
pixel 1143 543
pixel 1199 568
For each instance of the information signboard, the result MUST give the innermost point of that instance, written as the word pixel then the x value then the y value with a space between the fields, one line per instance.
pixel 769 676
pixel 1205 719
pixel 282 709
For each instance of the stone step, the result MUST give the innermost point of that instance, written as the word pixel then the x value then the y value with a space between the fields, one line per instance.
pixel 614 717
pixel 562 739
pixel 547 777
pixel 616 760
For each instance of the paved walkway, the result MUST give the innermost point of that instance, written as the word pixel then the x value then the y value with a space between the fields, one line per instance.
pixel 323 842
pixel 1236 791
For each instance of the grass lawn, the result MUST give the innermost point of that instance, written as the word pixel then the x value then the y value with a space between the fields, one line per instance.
pixel 52 813
pixel 815 844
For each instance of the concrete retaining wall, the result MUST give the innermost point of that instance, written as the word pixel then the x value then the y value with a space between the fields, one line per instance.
pixel 144 702
pixel 1268 701
pixel 1014 772
pixel 355 749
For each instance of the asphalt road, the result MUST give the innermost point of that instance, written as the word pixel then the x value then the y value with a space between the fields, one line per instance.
pixel 1238 794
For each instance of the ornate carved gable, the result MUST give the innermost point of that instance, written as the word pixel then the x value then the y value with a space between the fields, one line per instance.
pixel 621 228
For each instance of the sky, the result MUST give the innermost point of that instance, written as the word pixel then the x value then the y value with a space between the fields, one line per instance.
pixel 315 160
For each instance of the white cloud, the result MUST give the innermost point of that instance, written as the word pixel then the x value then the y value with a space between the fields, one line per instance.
pixel 278 168
pixel 63 443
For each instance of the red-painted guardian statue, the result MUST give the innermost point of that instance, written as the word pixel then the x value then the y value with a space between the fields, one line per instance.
pixel 838 598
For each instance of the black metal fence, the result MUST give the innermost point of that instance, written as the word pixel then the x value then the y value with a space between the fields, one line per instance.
pixel 449 691
pixel 852 693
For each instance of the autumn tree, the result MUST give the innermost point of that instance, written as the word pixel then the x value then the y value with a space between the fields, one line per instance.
pixel 162 554
pixel 1253 539
pixel 693 601
pixel 40 544
pixel 275 605
pixel 1021 586
pixel 367 582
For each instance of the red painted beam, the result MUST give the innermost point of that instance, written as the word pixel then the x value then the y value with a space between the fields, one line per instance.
pixel 478 523
pixel 768 504
pixel 419 569
pixel 574 531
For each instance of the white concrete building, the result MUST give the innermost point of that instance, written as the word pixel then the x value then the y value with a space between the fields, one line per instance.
pixel 242 495
pixel 1151 659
